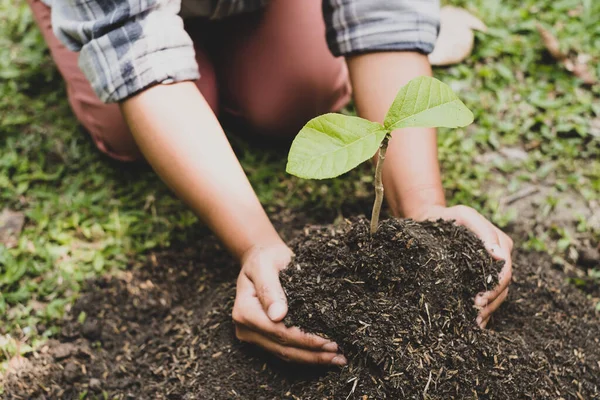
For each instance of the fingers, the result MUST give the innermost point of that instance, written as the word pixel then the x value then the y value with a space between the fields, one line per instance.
pixel 505 275
pixel 500 247
pixel 488 234
pixel 498 244
pixel 248 313
pixel 288 353
pixel 484 323
pixel 486 312
pixel 265 278
pixel 260 305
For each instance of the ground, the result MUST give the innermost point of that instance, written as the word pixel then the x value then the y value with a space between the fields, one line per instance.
pixel 164 330
pixel 530 162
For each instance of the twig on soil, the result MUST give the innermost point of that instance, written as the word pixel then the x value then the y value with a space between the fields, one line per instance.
pixel 521 194
pixel 354 282
pixel 379 184
pixel 427 386
pixel 577 65
pixel 353 387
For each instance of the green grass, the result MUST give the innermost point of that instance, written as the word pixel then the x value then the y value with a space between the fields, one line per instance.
pixel 87 216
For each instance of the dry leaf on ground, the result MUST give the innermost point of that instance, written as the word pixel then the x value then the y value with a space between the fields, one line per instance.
pixel 456 38
pixel 552 44
pixel 11 225
pixel 595 127
pixel 578 65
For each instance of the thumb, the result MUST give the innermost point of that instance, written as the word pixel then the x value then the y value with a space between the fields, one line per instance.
pixel 270 293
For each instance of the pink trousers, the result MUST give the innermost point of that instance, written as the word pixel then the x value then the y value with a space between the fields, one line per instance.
pixel 271 70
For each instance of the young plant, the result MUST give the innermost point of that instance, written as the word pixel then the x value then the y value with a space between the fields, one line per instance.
pixel 332 144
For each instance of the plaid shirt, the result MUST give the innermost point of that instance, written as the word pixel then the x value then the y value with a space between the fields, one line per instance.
pixel 126 46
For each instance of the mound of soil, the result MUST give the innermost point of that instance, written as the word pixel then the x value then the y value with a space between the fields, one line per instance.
pixel 401 308
pixel 400 305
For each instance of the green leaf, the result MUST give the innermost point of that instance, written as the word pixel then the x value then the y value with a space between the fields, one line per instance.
pixel 333 144
pixel 428 103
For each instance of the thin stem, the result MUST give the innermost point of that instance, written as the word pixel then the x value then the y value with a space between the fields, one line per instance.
pixel 379 184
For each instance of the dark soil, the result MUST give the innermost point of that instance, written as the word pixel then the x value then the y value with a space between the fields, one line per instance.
pixel 399 305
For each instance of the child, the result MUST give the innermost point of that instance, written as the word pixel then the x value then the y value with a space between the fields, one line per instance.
pixel 152 76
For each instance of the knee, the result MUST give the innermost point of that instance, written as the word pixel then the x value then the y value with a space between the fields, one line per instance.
pixel 107 127
pixel 282 108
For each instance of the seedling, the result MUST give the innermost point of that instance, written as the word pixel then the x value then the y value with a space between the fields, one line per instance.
pixel 332 144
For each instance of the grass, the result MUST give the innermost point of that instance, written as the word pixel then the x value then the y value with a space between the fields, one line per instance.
pixel 87 216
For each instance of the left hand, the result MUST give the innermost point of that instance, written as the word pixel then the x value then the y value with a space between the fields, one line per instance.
pixel 260 306
pixel 497 243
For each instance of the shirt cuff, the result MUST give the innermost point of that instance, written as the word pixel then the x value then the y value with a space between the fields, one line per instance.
pixel 118 69
pixel 359 26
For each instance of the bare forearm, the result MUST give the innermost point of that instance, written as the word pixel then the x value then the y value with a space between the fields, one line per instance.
pixel 185 144
pixel 411 174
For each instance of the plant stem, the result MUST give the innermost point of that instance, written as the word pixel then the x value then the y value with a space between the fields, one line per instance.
pixel 379 184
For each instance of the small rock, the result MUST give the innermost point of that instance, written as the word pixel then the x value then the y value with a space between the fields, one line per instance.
pixel 92 330
pixel 514 153
pixel 18 363
pixel 63 351
pixel 595 127
pixel 70 331
pixel 72 373
pixel 95 385
pixel 11 225
pixel 589 258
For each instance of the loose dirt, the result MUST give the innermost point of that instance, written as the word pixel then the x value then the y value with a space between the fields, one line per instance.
pixel 399 305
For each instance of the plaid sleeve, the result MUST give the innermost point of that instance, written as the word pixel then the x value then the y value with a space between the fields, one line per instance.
pixel 358 26
pixel 126 46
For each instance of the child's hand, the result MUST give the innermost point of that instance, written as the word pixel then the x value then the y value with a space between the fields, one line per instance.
pixel 497 243
pixel 260 306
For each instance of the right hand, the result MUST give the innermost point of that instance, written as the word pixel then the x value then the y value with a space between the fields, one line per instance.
pixel 260 306
pixel 497 243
